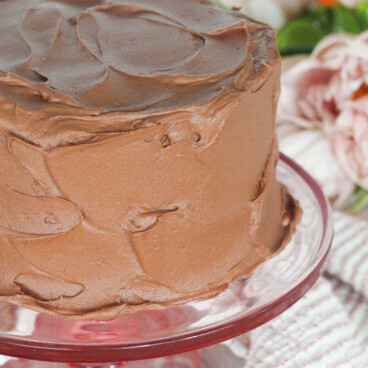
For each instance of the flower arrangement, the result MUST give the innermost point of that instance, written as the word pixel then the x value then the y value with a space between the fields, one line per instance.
pixel 325 95
pixel 323 110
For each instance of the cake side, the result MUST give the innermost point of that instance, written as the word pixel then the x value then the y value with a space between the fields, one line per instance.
pixel 109 210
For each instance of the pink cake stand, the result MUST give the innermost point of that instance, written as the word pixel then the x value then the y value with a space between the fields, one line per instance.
pixel 167 338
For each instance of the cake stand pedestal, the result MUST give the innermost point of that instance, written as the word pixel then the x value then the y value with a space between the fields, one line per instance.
pixel 166 338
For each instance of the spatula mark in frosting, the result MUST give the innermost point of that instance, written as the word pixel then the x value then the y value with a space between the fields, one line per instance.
pixel 31 215
pixel 34 160
pixel 14 174
pixel 30 208
pixel 47 288
pixel 20 275
pixel 257 203
pixel 142 289
pixel 142 217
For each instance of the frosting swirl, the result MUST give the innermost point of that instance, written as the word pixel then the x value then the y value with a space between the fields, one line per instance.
pixel 72 67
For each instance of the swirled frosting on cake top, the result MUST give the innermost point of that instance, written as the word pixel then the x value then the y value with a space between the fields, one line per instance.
pixel 68 68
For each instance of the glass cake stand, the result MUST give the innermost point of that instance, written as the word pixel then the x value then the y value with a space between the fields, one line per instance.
pixel 164 333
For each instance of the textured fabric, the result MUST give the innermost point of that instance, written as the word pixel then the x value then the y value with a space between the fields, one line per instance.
pixel 326 328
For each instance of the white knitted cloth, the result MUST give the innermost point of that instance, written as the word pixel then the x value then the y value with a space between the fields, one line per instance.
pixel 326 328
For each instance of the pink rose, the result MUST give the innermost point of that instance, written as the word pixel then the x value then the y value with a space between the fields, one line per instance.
pixel 349 137
pixel 303 90
pixel 314 89
pixel 312 150
pixel 329 91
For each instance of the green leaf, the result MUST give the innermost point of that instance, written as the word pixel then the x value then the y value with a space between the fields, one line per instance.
pixel 345 20
pixel 358 201
pixel 321 16
pixel 300 36
pixel 361 204
pixel 362 11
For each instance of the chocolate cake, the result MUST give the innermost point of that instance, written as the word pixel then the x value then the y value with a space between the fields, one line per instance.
pixel 138 153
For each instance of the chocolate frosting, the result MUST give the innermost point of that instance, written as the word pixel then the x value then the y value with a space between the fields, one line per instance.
pixel 72 67
pixel 138 153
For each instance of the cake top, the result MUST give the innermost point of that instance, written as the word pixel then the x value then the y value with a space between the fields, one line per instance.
pixel 93 58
